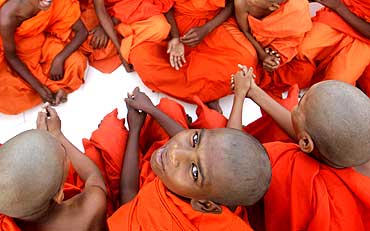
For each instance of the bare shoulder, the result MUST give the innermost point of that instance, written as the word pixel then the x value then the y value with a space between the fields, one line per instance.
pixel 8 13
pixel 93 203
pixel 240 5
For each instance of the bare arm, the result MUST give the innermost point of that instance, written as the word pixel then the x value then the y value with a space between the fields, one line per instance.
pixel 107 23
pixel 81 34
pixel 85 167
pixel 129 181
pixel 240 84
pixel 171 20
pixel 356 22
pixel 224 14
pixel 8 27
pixel 140 101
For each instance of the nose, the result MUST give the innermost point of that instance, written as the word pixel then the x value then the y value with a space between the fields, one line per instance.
pixel 178 155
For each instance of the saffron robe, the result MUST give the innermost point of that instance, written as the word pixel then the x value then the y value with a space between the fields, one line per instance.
pixel 208 66
pixel 38 40
pixel 307 195
pixel 337 50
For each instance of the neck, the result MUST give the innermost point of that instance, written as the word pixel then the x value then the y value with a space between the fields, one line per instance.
pixel 364 169
pixel 40 216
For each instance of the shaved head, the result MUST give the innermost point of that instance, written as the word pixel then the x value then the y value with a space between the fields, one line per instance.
pixel 337 117
pixel 224 165
pixel 32 166
pixel 248 170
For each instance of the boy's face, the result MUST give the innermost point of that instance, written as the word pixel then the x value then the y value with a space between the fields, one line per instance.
pixel 190 163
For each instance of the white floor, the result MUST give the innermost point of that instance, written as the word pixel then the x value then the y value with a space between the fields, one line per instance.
pixel 101 94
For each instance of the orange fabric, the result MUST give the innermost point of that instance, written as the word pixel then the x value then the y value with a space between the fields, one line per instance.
pixel 38 40
pixel 307 195
pixel 7 224
pixel 364 81
pixel 209 65
pixel 265 129
pixel 105 59
pixel 283 31
pixel 334 48
pixel 156 208
pixel 140 21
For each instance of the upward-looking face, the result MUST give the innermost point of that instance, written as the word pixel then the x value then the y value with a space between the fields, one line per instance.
pixel 190 163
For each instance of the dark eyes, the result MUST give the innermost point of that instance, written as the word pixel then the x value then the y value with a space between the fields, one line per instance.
pixel 195 139
pixel 194 172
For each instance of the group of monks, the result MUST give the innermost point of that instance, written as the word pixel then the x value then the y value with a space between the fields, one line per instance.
pixel 178 47
pixel 304 165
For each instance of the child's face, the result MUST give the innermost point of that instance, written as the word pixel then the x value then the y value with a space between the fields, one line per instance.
pixel 190 163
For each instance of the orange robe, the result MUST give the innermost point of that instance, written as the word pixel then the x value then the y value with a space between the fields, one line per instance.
pixel 38 40
pixel 105 59
pixel 336 49
pixel 283 31
pixel 307 195
pixel 209 65
pixel 141 21
pixel 155 207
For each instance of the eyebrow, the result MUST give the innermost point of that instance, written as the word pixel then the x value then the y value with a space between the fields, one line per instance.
pixel 199 164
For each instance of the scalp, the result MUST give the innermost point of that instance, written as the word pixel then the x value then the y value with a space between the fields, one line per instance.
pixel 247 168
pixel 31 172
pixel 337 117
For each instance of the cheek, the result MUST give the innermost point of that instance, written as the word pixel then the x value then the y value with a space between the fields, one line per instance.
pixel 179 183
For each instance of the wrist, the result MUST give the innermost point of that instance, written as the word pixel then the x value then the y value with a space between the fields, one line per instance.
pixel 253 92
pixel 135 130
pixel 151 109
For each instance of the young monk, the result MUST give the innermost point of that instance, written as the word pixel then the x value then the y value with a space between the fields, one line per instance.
pixel 204 48
pixel 201 175
pixel 34 167
pixel 323 181
pixel 98 47
pixel 275 28
pixel 38 60
pixel 136 21
pixel 338 45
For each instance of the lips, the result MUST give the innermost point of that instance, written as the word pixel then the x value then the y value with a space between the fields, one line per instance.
pixel 160 155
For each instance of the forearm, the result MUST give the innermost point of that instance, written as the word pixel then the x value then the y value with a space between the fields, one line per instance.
pixel 107 23
pixel 167 123
pixel 129 183
pixel 171 20
pixel 356 22
pixel 221 17
pixel 83 165
pixel 278 113
pixel 21 69
pixel 81 34
pixel 235 120
pixel 259 49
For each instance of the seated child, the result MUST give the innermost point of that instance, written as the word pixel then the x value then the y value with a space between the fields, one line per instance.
pixel 275 28
pixel 202 176
pixel 321 183
pixel 34 167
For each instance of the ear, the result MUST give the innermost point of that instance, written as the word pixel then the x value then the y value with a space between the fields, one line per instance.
pixel 274 6
pixel 305 142
pixel 205 206
pixel 59 197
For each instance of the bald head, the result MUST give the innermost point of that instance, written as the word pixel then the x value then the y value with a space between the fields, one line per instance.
pixel 242 172
pixel 32 166
pixel 337 117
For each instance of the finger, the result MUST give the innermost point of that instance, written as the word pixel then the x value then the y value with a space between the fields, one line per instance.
pixel 189 36
pixel 93 30
pixel 53 113
pixel 41 121
pixel 190 40
pixel 172 61
pixel 105 42
pixel 93 42
pixel 169 48
pixel 188 33
pixel 183 58
pixel 136 91
pixel 178 60
pixel 270 62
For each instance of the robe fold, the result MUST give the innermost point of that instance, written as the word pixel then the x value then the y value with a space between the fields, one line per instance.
pixel 38 41
pixel 283 31
pixel 105 59
pixel 156 208
pixel 208 65
pixel 335 49
pixel 307 195
pixel 141 21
